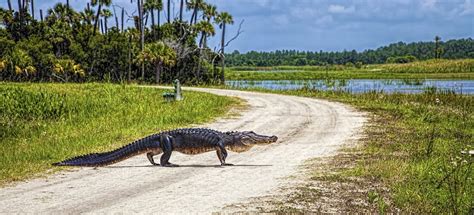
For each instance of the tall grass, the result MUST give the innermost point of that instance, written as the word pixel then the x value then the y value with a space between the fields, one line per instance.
pixel 45 123
pixel 433 69
pixel 432 66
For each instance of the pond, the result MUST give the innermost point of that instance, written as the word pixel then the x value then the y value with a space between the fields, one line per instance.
pixel 362 85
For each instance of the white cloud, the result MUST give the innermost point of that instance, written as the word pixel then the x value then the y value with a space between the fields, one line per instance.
pixel 325 20
pixel 429 4
pixel 467 8
pixel 335 8
pixel 304 12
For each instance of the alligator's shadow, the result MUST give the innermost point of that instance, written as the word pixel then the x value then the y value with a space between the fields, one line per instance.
pixel 195 166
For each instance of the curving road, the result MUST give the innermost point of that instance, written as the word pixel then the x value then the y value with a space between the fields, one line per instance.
pixel 306 128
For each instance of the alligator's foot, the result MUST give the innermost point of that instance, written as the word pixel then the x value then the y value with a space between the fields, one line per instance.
pixel 170 165
pixel 227 164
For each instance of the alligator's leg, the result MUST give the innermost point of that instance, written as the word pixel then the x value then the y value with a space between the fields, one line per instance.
pixel 152 153
pixel 167 147
pixel 222 154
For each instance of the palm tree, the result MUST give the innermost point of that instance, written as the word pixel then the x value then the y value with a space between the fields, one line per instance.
pixel 195 5
pixel 33 9
pixel 100 3
pixel 169 11
pixel 21 62
pixel 58 13
pixel 10 5
pixel 106 13
pixel 222 19
pixel 88 15
pixel 66 67
pixel 210 12
pixel 206 30
pixel 438 49
pixel 150 6
pixel 158 54
pixel 181 6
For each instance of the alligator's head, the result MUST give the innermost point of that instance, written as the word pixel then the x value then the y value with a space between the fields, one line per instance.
pixel 250 138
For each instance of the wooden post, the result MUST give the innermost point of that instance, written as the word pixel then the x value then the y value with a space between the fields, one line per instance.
pixel 177 90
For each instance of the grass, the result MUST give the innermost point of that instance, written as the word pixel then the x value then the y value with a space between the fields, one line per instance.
pixel 432 69
pixel 414 147
pixel 45 123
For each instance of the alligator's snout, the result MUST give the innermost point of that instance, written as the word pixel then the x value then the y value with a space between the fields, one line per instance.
pixel 269 139
pixel 273 139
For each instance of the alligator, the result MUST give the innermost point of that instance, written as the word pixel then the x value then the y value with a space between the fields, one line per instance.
pixel 189 141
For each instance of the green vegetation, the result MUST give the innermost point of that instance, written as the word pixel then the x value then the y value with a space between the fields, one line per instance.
pixel 402 59
pixel 430 69
pixel 45 123
pixel 414 146
pixel 76 46
pixel 452 49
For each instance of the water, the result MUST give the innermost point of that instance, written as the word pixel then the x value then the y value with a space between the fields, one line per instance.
pixel 362 85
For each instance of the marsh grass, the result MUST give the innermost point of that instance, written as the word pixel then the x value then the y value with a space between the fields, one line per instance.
pixel 431 69
pixel 45 123
pixel 413 147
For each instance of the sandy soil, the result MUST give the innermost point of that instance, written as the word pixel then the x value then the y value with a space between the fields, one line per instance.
pixel 306 128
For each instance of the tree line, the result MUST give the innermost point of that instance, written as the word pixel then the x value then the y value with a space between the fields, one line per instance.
pixel 394 53
pixel 65 45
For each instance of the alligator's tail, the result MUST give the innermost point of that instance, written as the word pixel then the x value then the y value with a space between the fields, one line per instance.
pixel 107 158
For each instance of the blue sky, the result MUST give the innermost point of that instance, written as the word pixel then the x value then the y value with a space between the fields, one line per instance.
pixel 331 25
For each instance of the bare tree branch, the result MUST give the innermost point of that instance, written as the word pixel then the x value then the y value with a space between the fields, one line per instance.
pixel 130 17
pixel 236 35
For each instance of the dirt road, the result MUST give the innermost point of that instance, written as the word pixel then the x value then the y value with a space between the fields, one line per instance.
pixel 306 128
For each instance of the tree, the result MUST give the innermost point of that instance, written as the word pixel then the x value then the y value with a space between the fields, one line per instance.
pixel 181 6
pixel 67 67
pixel 58 30
pixel 157 54
pixel 195 5
pixel 150 6
pixel 106 13
pixel 169 10
pixel 222 19
pixel 87 15
pixel 19 62
pixel 100 3
pixel 438 49
pixel 210 12
pixel 206 30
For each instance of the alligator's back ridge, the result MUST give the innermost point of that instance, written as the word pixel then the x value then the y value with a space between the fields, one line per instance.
pixel 107 158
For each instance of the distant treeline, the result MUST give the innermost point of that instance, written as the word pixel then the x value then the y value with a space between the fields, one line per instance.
pixel 394 53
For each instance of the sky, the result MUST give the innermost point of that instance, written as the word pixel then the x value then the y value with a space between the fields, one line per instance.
pixel 328 25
